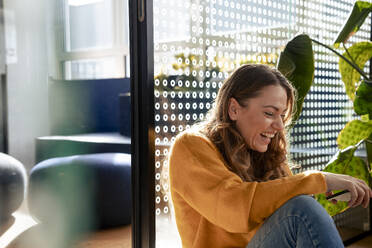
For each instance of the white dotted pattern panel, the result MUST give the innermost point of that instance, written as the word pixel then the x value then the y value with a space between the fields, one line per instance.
pixel 198 43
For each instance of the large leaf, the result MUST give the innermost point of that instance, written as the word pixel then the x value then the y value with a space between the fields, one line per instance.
pixel 356 18
pixel 344 162
pixel 354 132
pixel 363 99
pixel 296 63
pixel 360 53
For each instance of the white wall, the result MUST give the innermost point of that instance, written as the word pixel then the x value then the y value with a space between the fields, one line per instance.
pixel 27 73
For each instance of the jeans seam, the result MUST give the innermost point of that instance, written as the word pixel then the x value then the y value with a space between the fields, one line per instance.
pixel 309 229
pixel 281 220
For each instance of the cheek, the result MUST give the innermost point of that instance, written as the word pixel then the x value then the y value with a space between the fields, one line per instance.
pixel 258 123
pixel 251 127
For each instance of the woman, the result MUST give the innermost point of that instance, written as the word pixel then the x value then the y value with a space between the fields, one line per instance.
pixel 230 182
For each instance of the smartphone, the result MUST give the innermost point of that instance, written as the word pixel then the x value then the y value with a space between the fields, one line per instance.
pixel 340 196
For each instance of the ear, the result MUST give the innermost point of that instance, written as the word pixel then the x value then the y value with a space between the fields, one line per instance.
pixel 233 109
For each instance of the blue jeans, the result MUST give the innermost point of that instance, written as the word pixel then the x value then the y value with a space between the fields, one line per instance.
pixel 300 222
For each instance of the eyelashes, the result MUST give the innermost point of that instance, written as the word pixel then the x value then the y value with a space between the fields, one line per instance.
pixel 271 114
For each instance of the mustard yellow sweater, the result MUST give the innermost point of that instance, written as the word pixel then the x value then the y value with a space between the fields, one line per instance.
pixel 213 206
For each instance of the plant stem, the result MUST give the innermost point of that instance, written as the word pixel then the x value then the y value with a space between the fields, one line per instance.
pixel 347 60
pixel 347 51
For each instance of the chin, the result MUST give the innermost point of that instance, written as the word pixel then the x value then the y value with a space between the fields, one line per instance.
pixel 260 149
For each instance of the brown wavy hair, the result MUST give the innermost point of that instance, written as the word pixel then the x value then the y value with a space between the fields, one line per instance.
pixel 247 82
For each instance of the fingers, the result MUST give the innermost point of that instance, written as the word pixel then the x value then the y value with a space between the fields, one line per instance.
pixel 354 194
pixel 366 200
pixel 368 197
pixel 359 190
pixel 360 194
pixel 328 193
pixel 360 197
pixel 366 191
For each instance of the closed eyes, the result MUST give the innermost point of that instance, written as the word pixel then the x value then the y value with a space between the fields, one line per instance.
pixel 271 114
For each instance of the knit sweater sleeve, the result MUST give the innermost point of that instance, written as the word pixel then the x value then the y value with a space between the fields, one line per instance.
pixel 199 176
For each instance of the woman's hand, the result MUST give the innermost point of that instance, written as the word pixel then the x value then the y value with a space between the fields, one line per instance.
pixel 360 192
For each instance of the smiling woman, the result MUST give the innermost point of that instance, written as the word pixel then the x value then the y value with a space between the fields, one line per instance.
pixel 253 106
pixel 260 118
pixel 230 180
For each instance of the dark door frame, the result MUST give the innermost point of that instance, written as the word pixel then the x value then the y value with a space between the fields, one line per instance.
pixel 142 124
pixel 3 88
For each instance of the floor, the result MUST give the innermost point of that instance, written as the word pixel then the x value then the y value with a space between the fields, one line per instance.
pixel 364 243
pixel 14 234
pixel 23 232
pixel 114 238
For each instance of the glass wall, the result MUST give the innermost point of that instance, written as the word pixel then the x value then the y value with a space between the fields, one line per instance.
pixel 198 43
pixel 57 40
pixel 48 51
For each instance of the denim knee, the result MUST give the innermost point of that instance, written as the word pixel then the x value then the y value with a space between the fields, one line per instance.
pixel 300 222
pixel 304 205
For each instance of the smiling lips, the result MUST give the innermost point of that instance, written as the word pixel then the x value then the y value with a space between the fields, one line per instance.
pixel 267 137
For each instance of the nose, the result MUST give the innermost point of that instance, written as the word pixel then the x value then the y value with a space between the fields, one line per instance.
pixel 278 124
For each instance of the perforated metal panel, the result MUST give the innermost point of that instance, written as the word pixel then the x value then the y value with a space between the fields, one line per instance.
pixel 198 43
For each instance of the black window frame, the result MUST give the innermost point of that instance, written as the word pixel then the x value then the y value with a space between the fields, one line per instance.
pixel 142 122
pixel 3 88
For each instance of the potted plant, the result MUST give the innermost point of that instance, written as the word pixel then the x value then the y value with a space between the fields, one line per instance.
pixel 296 62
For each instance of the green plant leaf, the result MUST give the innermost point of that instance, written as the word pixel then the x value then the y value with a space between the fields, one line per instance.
pixel 331 208
pixel 296 63
pixel 364 118
pixel 354 132
pixel 340 160
pixel 356 18
pixel 358 168
pixel 344 162
pixel 363 99
pixel 360 53
pixel 285 65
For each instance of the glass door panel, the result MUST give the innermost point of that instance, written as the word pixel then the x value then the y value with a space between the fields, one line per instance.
pixel 198 43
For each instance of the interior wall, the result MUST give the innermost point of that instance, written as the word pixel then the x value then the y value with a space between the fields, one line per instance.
pixel 27 74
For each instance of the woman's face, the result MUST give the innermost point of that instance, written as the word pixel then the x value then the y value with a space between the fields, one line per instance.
pixel 261 117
